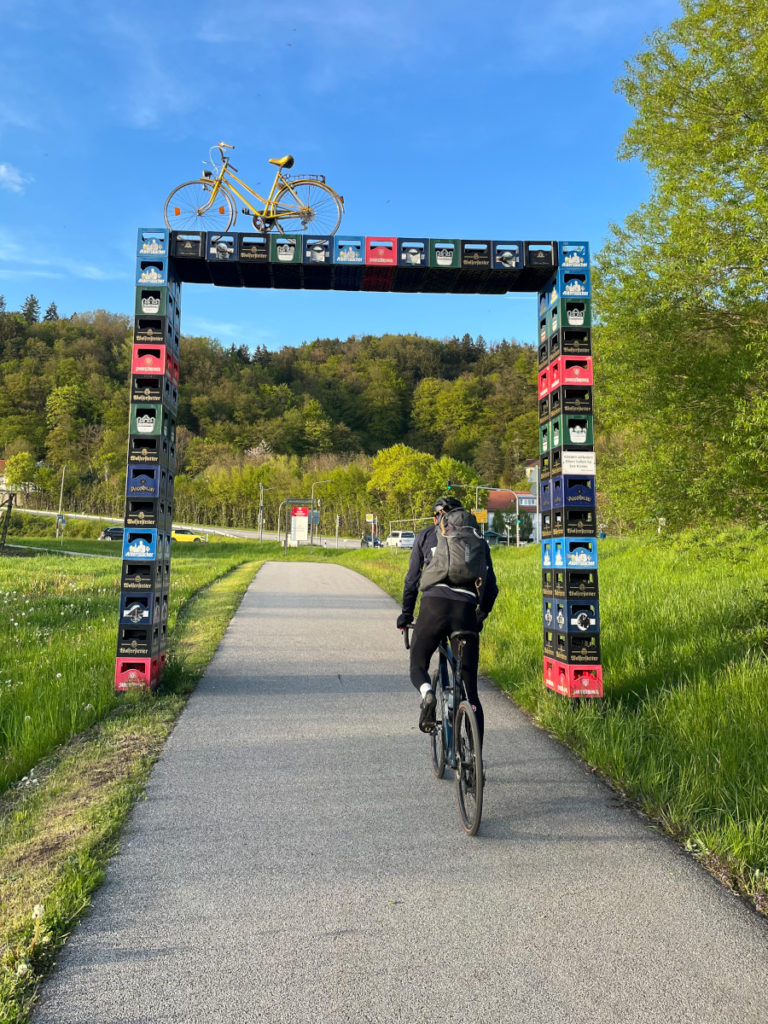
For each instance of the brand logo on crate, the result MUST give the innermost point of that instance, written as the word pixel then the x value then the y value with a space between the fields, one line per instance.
pixel 575 316
pixel 150 303
pixel 286 250
pixel 444 257
pixel 150 275
pixel 145 424
pixel 508 257
pixel 137 612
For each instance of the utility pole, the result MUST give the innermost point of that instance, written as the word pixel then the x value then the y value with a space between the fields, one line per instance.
pixel 61 499
pixel 312 511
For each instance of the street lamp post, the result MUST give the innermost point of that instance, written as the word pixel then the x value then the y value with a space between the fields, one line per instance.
pixel 312 511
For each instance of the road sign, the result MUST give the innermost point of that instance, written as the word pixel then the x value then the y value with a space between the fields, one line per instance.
pixel 480 514
pixel 370 517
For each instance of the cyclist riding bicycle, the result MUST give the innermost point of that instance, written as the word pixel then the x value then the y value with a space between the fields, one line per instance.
pixel 445 608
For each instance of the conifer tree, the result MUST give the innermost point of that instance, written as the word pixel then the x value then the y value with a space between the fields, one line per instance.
pixel 31 309
pixel 51 313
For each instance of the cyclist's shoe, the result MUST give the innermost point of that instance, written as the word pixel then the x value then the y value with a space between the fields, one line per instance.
pixel 427 714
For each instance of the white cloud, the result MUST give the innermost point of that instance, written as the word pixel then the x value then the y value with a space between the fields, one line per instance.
pixel 12 179
pixel 24 265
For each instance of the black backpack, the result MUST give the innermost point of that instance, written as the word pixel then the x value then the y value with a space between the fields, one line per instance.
pixel 459 558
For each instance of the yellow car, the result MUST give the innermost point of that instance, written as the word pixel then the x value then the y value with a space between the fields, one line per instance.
pixel 180 533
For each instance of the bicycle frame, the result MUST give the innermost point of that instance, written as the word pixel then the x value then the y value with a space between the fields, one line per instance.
pixel 269 210
pixel 450 680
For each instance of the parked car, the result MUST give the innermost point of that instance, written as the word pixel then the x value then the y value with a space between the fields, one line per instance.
pixel 181 533
pixel 371 542
pixel 112 533
pixel 401 539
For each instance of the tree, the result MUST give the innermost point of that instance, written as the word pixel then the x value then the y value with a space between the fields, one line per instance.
pixel 51 313
pixel 30 311
pixel 20 470
pixel 681 350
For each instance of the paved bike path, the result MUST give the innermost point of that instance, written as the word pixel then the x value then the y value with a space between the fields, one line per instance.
pixel 295 859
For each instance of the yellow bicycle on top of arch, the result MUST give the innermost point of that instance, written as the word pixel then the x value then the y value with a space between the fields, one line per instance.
pixel 300 204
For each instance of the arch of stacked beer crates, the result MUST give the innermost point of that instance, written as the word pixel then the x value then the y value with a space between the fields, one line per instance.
pixel 558 272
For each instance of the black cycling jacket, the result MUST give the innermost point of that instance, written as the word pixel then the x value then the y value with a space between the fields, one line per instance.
pixel 423 548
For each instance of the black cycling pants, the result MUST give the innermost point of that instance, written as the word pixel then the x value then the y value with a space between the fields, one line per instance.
pixel 438 618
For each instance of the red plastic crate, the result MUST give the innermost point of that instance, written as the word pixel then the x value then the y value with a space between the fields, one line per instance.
pixel 573 680
pixel 570 370
pixel 155 360
pixel 545 378
pixel 381 252
pixel 135 672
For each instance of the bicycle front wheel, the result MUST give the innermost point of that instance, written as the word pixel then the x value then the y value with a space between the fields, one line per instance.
pixel 308 206
pixel 191 207
pixel 469 769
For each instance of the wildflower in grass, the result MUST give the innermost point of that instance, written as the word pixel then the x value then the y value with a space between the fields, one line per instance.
pixel 58 675
pixel 37 911
pixel 22 968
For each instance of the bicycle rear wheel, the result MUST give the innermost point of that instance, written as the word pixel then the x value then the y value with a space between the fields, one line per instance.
pixel 437 737
pixel 189 208
pixel 308 205
pixel 469 769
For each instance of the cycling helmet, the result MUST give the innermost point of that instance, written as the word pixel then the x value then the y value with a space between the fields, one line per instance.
pixel 445 505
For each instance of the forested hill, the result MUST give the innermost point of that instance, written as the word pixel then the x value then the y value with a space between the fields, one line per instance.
pixel 64 397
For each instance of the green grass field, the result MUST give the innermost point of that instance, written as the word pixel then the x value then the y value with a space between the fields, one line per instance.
pixel 683 728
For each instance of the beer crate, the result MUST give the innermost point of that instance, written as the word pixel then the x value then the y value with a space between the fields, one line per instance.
pixel 154 360
pixel 153 513
pixel 567 314
pixel 546 524
pixel 144 577
pixel 548 582
pixel 133 673
pixel 507 255
pixel 569 342
pixel 147 451
pixel 349 250
pixel 544 409
pixel 151 301
pixel 140 544
pixel 571 431
pixel 317 250
pixel 573 255
pixel 254 249
pixel 445 253
pixel 571 491
pixel 152 418
pixel 580 552
pixel 153 388
pixel 153 242
pixel 221 248
pixel 476 254
pixel 577 648
pixel 574 398
pixel 152 271
pixel 577 616
pixel 573 680
pixel 545 465
pixel 188 245
pixel 137 641
pixel 572 283
pixel 156 330
pixel 540 254
pixel 573 522
pixel 140 609
pixel 412 252
pixel 380 252
pixel 286 249
pixel 146 481
pixel 570 370
pixel 573 584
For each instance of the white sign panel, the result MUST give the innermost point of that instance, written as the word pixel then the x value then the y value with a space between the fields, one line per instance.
pixel 578 463
pixel 299 522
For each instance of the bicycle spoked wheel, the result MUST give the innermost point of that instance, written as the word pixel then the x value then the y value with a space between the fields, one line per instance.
pixel 469 769
pixel 437 736
pixel 189 208
pixel 308 206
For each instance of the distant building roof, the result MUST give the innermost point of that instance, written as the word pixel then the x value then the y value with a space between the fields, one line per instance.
pixel 502 501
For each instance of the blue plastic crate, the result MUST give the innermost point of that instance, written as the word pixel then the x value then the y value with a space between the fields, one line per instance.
pixel 580 552
pixel 318 250
pixel 573 255
pixel 507 255
pixel 153 242
pixel 152 271
pixel 413 252
pixel 140 545
pixel 349 250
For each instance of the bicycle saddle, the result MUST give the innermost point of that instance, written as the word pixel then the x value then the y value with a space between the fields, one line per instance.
pixel 282 161
pixel 463 634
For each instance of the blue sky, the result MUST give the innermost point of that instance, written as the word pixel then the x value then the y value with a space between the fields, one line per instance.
pixel 481 119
